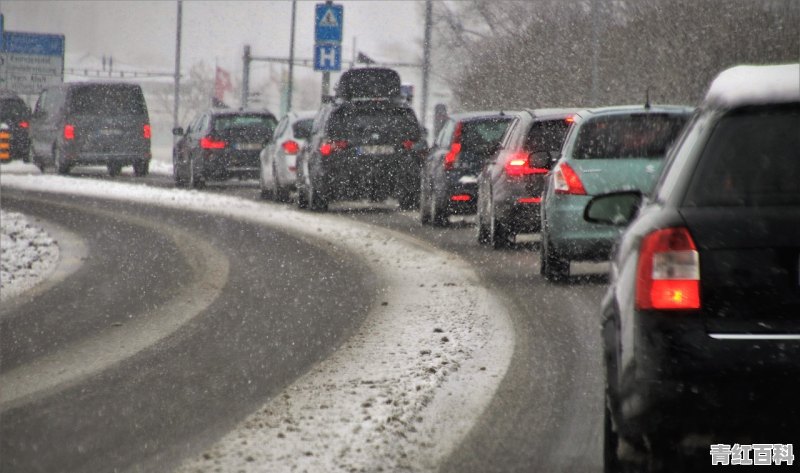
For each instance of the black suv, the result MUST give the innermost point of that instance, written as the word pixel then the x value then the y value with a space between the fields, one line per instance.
pixel 362 146
pixel 14 112
pixel 701 322
pixel 449 179
pixel 220 144
pixel 92 123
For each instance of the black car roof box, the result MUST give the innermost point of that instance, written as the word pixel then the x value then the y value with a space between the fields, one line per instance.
pixel 368 83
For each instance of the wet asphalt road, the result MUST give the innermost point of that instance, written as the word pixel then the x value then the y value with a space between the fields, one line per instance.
pixel 177 396
pixel 546 415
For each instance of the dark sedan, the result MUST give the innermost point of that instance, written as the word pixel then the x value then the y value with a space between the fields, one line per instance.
pixel 511 185
pixel 220 144
pixel 702 318
pixel 449 179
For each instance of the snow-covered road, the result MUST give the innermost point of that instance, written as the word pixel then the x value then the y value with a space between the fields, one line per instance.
pixel 402 392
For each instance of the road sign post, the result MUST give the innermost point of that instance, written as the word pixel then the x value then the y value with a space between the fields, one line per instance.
pixel 328 21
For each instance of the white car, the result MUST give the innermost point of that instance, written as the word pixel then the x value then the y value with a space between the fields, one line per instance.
pixel 277 173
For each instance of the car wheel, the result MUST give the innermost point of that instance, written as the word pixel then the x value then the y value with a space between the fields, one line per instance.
pixel 62 166
pixel 439 217
pixel 552 266
pixel 180 180
pixel 483 228
pixel 407 200
pixel 281 192
pixel 424 201
pixel 265 193
pixel 499 236
pixel 114 169
pixel 316 201
pixel 195 180
pixel 141 168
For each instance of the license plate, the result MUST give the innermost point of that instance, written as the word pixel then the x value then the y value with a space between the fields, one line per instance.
pixel 248 146
pixel 377 149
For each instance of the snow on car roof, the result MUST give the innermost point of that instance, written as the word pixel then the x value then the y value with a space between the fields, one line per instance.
pixel 753 85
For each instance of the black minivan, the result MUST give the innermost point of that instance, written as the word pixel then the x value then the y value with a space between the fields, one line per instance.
pixel 91 123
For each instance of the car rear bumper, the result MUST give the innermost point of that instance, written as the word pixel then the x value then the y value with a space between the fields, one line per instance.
pixel 228 164
pixel 89 158
pixel 362 176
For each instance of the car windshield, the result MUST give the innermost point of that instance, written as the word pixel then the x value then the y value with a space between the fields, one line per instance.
pixel 628 136
pixel 107 100
pixel 757 161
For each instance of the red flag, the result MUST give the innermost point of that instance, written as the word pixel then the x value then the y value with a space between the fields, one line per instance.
pixel 222 84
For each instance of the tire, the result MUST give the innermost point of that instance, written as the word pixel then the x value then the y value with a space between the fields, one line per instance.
pixel 114 169
pixel 62 167
pixel 424 201
pixel 611 463
pixel 302 201
pixel 439 216
pixel 499 236
pixel 282 195
pixel 141 168
pixel 195 181
pixel 483 229
pixel 316 201
pixel 265 194
pixel 180 181
pixel 553 267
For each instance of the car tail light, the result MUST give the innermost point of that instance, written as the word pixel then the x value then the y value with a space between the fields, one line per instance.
pixel 455 147
pixel 69 132
pixel 146 131
pixel 570 119
pixel 408 144
pixel 566 181
pixel 208 142
pixel 23 124
pixel 461 198
pixel 329 147
pixel 519 164
pixel 529 200
pixel 290 147
pixel 668 271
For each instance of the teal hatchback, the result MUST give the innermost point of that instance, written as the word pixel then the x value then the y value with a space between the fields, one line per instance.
pixel 607 149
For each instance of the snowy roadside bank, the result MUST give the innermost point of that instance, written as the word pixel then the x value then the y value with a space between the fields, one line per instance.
pixel 401 393
pixel 28 254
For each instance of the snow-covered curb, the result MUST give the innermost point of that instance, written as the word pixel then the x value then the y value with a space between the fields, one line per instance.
pixel 401 393
pixel 28 254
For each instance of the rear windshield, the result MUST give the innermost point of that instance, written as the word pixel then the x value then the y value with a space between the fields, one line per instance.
pixel 13 108
pixel 302 128
pixel 360 123
pixel 483 134
pixel 111 100
pixel 751 159
pixel 245 121
pixel 546 136
pixel 628 136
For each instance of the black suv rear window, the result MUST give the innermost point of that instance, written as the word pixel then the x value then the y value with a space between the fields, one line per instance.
pixel 751 159
pixel 107 100
pixel 360 123
pixel 628 136
pixel 245 121
pixel 13 108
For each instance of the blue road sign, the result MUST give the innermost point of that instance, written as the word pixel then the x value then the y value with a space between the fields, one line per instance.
pixel 328 21
pixel 32 43
pixel 327 57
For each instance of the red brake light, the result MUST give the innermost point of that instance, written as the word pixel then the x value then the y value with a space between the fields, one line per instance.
pixel 566 181
pixel 69 132
pixel 461 198
pixel 329 147
pixel 208 142
pixel 519 164
pixel 290 147
pixel 570 119
pixel 452 155
pixel 408 144
pixel 668 271
pixel 146 131
pixel 529 200
pixel 23 124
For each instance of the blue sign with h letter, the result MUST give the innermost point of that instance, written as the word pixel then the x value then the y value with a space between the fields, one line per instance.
pixel 327 57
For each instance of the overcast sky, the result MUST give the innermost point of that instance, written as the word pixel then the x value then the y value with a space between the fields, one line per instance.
pixel 142 33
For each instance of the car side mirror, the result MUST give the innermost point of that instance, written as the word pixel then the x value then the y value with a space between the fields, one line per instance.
pixel 616 208
pixel 177 131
